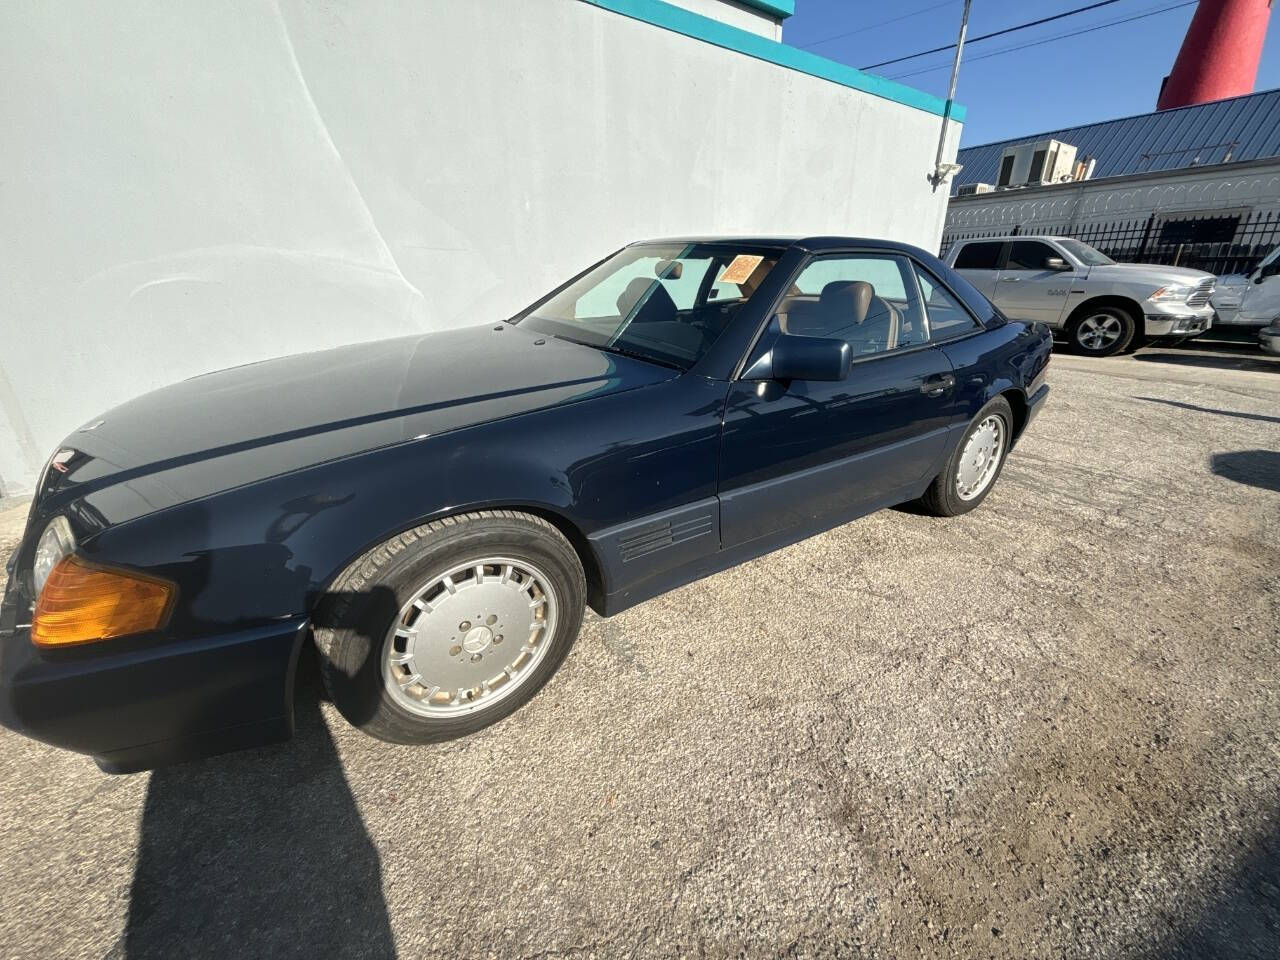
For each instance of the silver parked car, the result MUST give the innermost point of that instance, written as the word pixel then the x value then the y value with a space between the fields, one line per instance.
pixel 1252 302
pixel 1269 338
pixel 1102 306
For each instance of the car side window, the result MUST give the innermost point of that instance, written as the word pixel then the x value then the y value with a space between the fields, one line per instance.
pixel 979 256
pixel 1030 255
pixel 947 318
pixel 871 301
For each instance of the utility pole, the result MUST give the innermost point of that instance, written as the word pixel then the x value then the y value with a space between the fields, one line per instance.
pixel 943 170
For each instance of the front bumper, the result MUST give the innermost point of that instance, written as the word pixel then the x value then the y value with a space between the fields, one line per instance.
pixel 1269 339
pixel 153 704
pixel 1177 320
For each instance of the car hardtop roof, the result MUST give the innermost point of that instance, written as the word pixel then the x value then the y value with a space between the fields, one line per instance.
pixel 1011 236
pixel 817 244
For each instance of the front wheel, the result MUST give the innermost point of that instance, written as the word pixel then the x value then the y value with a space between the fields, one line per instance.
pixel 448 628
pixel 975 463
pixel 1101 331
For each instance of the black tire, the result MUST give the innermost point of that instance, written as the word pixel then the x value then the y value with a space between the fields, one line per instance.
pixel 354 620
pixel 943 499
pixel 1087 319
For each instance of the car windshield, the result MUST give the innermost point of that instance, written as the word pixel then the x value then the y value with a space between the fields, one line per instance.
pixel 1085 253
pixel 663 302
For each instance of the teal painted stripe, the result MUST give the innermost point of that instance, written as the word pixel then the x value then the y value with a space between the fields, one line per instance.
pixel 679 20
pixel 779 8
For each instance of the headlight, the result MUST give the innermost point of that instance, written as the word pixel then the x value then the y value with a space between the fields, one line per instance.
pixel 1176 292
pixel 56 543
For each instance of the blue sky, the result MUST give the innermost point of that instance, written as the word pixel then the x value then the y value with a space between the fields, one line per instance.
pixel 1107 72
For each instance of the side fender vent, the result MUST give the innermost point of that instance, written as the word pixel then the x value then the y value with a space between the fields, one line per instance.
pixel 659 536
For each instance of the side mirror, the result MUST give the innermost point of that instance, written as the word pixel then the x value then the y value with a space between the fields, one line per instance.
pixel 810 358
pixel 1056 263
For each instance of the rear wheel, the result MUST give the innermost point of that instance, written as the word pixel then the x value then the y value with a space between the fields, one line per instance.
pixel 974 465
pixel 450 627
pixel 1101 331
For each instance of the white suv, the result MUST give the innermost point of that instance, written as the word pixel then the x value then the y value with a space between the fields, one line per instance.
pixel 1102 306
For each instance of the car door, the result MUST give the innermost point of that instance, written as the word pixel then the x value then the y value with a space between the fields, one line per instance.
pixel 1029 289
pixel 951 327
pixel 797 454
pixel 978 261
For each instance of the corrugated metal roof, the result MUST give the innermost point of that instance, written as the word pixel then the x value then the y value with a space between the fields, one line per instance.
pixel 1246 128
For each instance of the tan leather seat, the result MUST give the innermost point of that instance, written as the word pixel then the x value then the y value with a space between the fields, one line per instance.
pixel 849 310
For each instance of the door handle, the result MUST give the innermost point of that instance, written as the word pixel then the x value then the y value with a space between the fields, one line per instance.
pixel 937 386
pixel 1010 279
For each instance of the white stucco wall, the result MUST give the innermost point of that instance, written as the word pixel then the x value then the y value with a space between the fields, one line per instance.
pixel 186 186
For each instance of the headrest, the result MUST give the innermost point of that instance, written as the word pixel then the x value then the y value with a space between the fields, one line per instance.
pixel 850 297
pixel 659 306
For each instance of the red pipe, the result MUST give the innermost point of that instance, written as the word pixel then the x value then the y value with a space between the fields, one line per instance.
pixel 1219 55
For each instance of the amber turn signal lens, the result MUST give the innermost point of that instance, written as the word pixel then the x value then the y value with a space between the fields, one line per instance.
pixel 81 603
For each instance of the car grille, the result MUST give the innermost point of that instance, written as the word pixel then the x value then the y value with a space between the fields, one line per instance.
pixel 1203 291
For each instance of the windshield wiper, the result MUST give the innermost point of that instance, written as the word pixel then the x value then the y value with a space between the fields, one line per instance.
pixel 635 354
pixel 621 351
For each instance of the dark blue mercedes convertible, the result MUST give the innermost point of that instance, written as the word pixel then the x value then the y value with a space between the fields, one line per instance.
pixel 435 512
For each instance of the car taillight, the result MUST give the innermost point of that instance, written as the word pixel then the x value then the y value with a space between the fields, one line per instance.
pixel 81 603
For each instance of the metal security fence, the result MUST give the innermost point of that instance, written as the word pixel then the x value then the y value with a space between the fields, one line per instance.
pixel 1218 243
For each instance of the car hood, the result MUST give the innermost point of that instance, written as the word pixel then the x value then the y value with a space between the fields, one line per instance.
pixel 1146 273
pixel 247 423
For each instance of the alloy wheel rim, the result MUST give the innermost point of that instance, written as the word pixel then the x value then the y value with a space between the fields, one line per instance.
pixel 980 458
pixel 469 637
pixel 1099 331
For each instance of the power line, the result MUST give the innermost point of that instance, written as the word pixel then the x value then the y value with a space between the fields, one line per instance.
pixel 879 23
pixel 1061 36
pixel 997 33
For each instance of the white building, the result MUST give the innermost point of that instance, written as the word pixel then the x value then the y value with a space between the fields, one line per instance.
pixel 1197 186
pixel 188 185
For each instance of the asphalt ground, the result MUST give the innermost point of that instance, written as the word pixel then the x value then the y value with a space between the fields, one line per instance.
pixel 1048 728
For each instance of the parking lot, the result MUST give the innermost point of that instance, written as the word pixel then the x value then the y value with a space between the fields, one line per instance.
pixel 1047 728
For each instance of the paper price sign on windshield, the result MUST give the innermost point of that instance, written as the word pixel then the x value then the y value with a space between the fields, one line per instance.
pixel 741 268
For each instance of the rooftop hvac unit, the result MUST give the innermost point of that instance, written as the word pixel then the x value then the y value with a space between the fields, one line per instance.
pixel 972 189
pixel 1037 164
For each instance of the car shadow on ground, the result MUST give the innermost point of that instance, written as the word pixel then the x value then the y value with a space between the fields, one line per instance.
pixel 1255 468
pixel 1244 920
pixel 1218 355
pixel 1214 410
pixel 258 854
